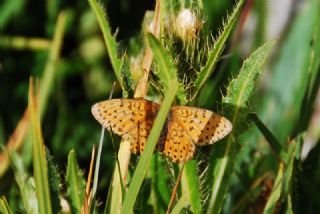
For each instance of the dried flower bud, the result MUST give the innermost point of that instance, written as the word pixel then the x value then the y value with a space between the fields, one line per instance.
pixel 186 25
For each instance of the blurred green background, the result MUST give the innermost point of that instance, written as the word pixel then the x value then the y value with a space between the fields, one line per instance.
pixel 82 75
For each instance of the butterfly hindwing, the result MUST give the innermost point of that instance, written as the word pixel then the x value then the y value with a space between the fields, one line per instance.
pixel 203 126
pixel 178 145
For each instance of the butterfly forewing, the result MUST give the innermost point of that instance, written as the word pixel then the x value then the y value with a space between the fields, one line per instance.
pixel 130 118
pixel 203 126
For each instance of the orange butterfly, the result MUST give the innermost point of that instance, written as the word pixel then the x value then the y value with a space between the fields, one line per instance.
pixel 185 127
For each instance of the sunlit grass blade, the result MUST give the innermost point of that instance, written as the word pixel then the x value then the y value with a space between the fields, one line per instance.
pixel 239 92
pixel 182 202
pixel 75 183
pixel 22 43
pixel 4 206
pixel 145 158
pixel 47 79
pixel 276 192
pixel 217 48
pixel 97 169
pixel 110 41
pixel 40 168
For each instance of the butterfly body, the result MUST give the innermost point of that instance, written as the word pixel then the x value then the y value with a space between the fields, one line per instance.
pixel 184 128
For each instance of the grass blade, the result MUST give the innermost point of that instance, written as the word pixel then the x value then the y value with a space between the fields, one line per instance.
pixel 47 79
pixel 145 158
pixel 4 206
pixel 108 38
pixel 180 205
pixel 271 139
pixel 217 48
pixel 276 192
pixel 238 93
pixel 39 156
pixel 75 183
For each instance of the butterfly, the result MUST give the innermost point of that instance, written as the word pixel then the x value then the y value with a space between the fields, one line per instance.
pixel 185 126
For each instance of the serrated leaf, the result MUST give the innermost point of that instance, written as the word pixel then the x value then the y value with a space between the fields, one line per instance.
pixel 75 183
pixel 125 77
pixel 238 93
pixel 167 71
pixel 215 53
pixel 54 182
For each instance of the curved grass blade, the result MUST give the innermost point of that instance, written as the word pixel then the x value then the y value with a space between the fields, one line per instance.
pixel 40 167
pixel 108 38
pixel 145 158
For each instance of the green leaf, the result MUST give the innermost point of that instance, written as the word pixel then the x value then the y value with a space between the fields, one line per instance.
pixel 215 53
pixel 166 71
pixel 40 168
pixel 4 206
pixel 190 184
pixel 108 38
pixel 75 183
pixel 145 159
pixel 239 92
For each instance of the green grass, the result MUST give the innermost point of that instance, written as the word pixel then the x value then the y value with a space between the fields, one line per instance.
pixel 76 52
